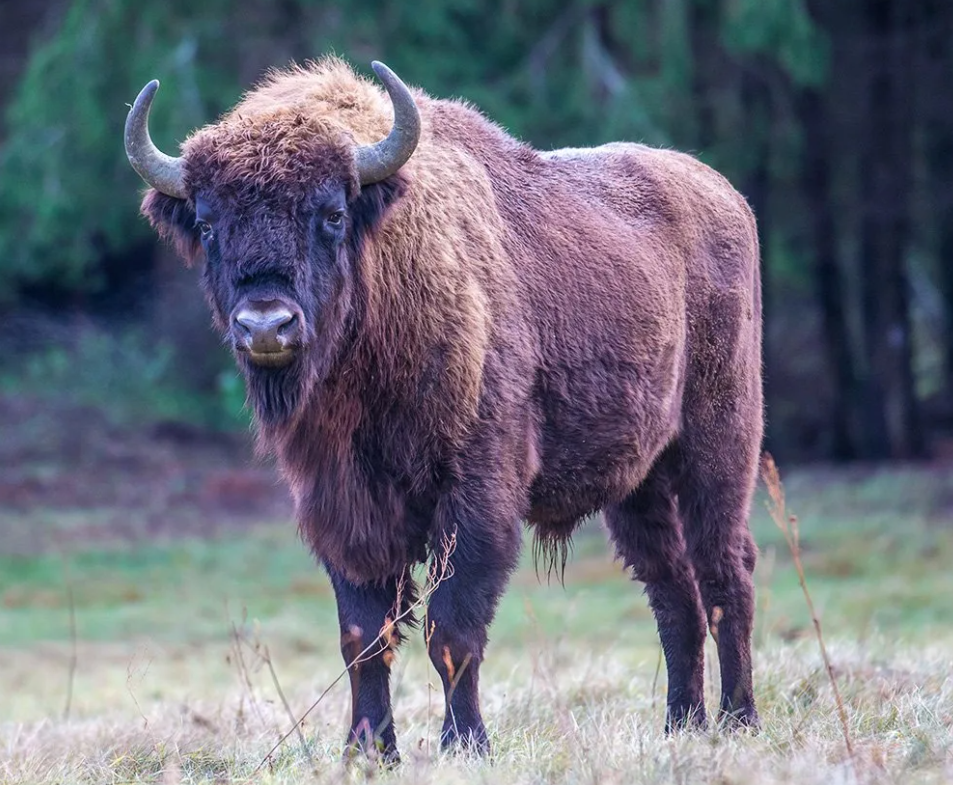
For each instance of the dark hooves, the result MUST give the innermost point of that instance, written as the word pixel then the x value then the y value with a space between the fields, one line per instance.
pixel 386 758
pixel 472 741
pixel 381 751
pixel 686 719
pixel 744 718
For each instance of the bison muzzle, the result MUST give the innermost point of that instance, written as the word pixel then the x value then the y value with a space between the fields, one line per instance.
pixel 445 333
pixel 268 331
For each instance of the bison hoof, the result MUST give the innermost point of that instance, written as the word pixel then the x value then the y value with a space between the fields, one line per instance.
pixel 741 718
pixel 385 756
pixel 683 718
pixel 472 740
pixel 378 749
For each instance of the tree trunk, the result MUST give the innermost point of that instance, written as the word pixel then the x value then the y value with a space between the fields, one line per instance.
pixel 892 422
pixel 936 111
pixel 941 169
pixel 703 23
pixel 828 278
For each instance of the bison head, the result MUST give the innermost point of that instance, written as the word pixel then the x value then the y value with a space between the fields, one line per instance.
pixel 278 198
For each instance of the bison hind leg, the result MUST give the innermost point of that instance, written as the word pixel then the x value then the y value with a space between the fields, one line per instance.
pixel 647 533
pixel 714 497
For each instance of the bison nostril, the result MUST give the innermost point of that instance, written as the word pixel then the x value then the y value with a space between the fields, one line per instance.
pixel 255 321
pixel 243 326
pixel 265 330
pixel 288 328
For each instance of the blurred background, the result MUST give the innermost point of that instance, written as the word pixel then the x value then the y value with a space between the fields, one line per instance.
pixel 834 119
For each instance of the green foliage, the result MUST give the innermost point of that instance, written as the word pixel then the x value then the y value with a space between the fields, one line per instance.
pixel 127 375
pixel 782 30
pixel 554 73
pixel 67 194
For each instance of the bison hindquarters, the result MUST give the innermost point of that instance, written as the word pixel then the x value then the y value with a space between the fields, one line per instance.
pixel 648 537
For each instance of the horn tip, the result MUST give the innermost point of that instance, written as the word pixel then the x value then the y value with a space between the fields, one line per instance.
pixel 381 69
pixel 147 93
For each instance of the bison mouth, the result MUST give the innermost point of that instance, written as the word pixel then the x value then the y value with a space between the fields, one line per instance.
pixel 278 359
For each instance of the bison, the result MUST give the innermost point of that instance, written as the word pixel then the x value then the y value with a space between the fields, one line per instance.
pixel 445 332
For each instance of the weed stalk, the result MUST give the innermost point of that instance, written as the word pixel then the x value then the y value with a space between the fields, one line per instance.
pixel 73 655
pixel 788 524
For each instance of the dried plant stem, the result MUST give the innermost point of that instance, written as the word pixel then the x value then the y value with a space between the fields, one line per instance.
pixel 429 627
pixel 244 677
pixel 132 694
pixel 266 656
pixel 73 656
pixel 788 524
pixel 658 671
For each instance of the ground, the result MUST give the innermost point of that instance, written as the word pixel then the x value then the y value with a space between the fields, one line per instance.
pixel 193 603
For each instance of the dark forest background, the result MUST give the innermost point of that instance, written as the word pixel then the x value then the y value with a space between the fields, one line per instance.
pixel 835 119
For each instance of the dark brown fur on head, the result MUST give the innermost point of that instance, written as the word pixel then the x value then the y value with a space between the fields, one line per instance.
pixel 265 179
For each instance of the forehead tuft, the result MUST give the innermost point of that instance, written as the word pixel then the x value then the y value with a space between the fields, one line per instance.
pixel 281 157
pixel 295 130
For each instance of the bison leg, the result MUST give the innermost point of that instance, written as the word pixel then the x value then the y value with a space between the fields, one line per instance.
pixel 369 638
pixel 714 498
pixel 648 537
pixel 478 560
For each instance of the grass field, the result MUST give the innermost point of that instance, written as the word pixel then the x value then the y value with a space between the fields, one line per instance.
pixel 170 681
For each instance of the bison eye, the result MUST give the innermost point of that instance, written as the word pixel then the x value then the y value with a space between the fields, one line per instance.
pixel 336 218
pixel 205 229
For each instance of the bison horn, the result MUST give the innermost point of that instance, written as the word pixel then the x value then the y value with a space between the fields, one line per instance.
pixel 161 171
pixel 378 161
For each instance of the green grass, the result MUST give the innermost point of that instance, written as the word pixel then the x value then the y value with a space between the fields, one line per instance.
pixel 569 686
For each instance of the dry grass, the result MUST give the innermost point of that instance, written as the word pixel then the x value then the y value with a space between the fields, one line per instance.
pixel 566 715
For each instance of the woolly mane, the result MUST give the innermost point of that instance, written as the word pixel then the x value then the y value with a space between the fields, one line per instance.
pixel 328 88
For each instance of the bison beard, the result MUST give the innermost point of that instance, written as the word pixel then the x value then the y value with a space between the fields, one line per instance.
pixel 491 335
pixel 276 393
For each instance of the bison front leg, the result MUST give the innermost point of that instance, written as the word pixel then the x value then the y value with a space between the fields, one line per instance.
pixel 474 556
pixel 369 638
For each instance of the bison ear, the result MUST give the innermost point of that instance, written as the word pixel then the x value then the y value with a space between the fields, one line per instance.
pixel 370 206
pixel 174 220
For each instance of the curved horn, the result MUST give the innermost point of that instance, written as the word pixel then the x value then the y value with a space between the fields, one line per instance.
pixel 161 171
pixel 377 161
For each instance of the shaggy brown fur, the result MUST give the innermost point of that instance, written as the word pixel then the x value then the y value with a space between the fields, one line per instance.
pixel 501 335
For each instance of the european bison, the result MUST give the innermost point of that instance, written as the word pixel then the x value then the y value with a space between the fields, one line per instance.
pixel 445 332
